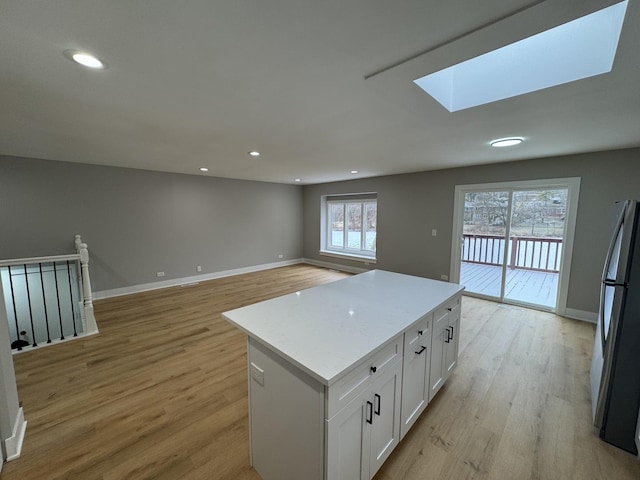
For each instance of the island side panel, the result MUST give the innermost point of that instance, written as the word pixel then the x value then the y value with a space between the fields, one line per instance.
pixel 286 412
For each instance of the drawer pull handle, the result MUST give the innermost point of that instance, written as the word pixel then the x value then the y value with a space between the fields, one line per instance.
pixel 420 332
pixel 377 410
pixel 369 412
pixel 373 369
pixel 449 308
pixel 421 350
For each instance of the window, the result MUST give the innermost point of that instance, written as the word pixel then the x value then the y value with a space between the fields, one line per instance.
pixel 579 49
pixel 350 225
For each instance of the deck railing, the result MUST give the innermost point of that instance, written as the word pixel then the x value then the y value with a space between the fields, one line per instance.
pixel 48 299
pixel 528 253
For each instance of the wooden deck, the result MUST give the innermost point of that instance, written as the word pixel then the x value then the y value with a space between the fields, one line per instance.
pixel 527 286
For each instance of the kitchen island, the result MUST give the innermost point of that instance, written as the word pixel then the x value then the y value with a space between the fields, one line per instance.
pixel 338 373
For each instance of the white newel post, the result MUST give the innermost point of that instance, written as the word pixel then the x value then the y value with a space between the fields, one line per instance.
pixel 89 318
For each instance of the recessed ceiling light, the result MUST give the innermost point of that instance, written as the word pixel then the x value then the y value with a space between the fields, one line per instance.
pixel 204 169
pixel 254 153
pixel 506 142
pixel 298 180
pixel 85 59
pixel 354 171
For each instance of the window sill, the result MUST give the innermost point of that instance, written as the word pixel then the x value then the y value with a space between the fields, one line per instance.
pixel 349 256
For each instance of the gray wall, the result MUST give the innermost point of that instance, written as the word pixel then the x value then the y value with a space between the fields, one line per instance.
pixel 410 205
pixel 138 222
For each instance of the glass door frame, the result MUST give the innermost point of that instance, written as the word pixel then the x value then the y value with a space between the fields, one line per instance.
pixel 572 184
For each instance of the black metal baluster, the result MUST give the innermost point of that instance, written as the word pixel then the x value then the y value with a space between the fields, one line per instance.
pixel 26 281
pixel 55 276
pixel 44 301
pixel 73 312
pixel 15 312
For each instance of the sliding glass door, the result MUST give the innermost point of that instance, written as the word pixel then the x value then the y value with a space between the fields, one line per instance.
pixel 535 246
pixel 483 242
pixel 512 241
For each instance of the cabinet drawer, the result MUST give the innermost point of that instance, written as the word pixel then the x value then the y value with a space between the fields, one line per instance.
pixel 357 379
pixel 417 333
pixel 450 306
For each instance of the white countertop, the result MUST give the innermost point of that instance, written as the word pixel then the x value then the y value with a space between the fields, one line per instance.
pixel 327 329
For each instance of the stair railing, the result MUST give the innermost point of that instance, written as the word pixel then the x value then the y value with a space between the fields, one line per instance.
pixel 48 299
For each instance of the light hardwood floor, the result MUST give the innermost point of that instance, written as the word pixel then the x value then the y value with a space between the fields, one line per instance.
pixel 161 393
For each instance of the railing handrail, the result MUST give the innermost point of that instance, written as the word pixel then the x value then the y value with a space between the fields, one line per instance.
pixel 538 239
pixel 519 237
pixel 486 253
pixel 41 299
pixel 482 235
pixel 31 260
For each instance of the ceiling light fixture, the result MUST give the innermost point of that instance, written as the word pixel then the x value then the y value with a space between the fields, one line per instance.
pixel 204 169
pixel 254 153
pixel 85 59
pixel 354 171
pixel 506 142
pixel 298 180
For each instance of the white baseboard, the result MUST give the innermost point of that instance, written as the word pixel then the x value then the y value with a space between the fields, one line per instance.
pixel 335 266
pixel 590 317
pixel 176 282
pixel 13 444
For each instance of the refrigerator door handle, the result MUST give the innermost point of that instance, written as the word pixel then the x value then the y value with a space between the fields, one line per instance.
pixel 602 333
pixel 605 280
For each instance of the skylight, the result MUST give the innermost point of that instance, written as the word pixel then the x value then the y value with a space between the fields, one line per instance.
pixel 575 50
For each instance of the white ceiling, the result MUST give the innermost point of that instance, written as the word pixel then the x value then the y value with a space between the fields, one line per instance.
pixel 320 87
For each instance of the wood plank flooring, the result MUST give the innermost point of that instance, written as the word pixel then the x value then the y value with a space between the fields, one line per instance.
pixel 161 393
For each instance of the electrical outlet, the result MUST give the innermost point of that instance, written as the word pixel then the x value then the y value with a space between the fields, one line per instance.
pixel 444 277
pixel 159 274
pixel 434 232
pixel 199 268
pixel 281 256
pixel 257 374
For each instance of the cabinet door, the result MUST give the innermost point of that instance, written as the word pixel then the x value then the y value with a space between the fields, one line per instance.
pixel 349 439
pixel 452 341
pixel 437 370
pixel 385 427
pixel 415 375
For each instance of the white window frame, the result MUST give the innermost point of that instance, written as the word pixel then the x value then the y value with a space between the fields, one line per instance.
pixel 326 247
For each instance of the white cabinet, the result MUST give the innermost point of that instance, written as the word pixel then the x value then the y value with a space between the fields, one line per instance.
pixel 347 440
pixel 452 339
pixel 383 406
pixel 362 434
pixel 415 372
pixel 384 424
pixel 436 369
pixel 444 344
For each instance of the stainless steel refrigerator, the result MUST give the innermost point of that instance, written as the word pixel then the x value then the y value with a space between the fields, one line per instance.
pixel 615 367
